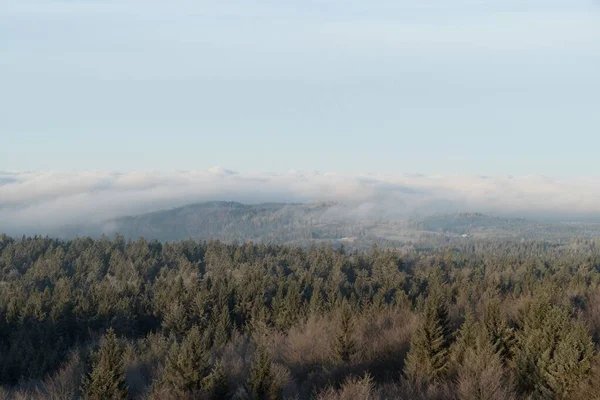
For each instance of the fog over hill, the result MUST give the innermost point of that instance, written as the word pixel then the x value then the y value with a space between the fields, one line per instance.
pixel 323 223
pixel 269 222
pixel 294 206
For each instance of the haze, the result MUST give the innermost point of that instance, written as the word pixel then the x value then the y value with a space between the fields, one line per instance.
pixel 42 202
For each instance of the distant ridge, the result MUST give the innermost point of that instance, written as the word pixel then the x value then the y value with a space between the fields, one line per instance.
pixel 228 220
pixel 323 223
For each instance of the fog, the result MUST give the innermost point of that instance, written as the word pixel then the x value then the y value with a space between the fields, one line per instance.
pixel 42 202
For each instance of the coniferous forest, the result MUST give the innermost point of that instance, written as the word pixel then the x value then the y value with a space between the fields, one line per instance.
pixel 116 319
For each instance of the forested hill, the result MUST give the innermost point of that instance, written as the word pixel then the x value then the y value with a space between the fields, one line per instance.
pixel 232 221
pixel 326 222
pixel 282 223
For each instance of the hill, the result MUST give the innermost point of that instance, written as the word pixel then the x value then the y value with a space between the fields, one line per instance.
pixel 326 222
pixel 232 221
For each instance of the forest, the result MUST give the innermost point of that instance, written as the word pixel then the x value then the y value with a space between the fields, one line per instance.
pixel 112 318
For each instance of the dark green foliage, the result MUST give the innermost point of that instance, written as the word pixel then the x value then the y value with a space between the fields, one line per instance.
pixel 187 365
pixel 175 319
pixel 107 378
pixel 429 356
pixel 216 384
pixel 553 353
pixel 571 362
pixel 467 337
pixel 481 373
pixel 223 327
pixel 316 304
pixel 261 384
pixel 499 333
pixel 286 308
pixel 345 346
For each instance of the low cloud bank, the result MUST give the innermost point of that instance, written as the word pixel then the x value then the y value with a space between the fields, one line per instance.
pixel 41 202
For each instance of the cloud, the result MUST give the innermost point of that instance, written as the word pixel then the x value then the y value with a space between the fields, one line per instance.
pixel 41 202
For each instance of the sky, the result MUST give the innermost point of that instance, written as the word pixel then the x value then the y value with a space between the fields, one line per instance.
pixel 453 87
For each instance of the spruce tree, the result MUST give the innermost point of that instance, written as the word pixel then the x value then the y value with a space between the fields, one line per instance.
pixel 316 304
pixel 286 309
pixel 481 374
pixel 187 365
pixel 496 325
pixel 552 353
pixel 570 362
pixel 344 344
pixel 223 327
pixel 469 331
pixel 175 320
pixel 261 384
pixel 107 378
pixel 216 384
pixel 428 358
pixel 278 307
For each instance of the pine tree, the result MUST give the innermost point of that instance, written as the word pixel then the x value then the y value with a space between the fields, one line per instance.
pixel 428 358
pixel 107 379
pixel 187 364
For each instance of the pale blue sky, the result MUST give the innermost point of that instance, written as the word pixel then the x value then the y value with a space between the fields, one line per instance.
pixel 445 86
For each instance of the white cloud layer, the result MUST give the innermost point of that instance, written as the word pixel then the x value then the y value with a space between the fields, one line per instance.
pixel 39 202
